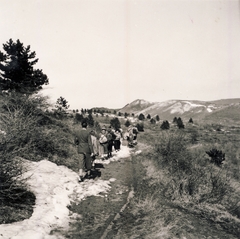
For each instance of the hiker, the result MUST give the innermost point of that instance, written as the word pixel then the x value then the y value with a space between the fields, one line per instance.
pixel 110 141
pixel 135 133
pixel 103 141
pixel 94 146
pixel 83 140
pixel 132 132
pixel 117 140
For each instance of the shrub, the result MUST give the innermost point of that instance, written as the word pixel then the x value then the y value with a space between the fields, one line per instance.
pixel 153 121
pixel 187 176
pixel 115 123
pixel 180 124
pixel 127 123
pixel 140 127
pixel 18 123
pixel 217 156
pixel 165 125
pixel 141 117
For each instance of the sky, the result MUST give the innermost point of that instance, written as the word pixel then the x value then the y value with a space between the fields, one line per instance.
pixel 55 187
pixel 109 53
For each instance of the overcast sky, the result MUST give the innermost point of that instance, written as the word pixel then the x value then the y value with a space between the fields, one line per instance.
pixel 111 52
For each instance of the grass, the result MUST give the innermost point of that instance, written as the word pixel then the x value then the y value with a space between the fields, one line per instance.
pixel 174 175
pixel 189 180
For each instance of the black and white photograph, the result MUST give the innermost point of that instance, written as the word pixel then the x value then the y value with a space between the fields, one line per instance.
pixel 119 119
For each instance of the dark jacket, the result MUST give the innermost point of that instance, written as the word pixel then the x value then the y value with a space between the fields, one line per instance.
pixel 83 140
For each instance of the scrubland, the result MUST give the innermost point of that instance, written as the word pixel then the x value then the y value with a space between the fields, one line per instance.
pixel 179 190
pixel 183 192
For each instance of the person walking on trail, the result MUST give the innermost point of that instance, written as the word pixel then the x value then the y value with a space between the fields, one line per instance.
pixel 135 133
pixel 94 147
pixel 132 132
pixel 117 140
pixel 83 140
pixel 110 141
pixel 103 141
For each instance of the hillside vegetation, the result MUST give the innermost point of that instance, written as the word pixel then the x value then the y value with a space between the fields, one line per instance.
pixel 174 168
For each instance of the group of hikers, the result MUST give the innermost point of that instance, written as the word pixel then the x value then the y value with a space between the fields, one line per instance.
pixel 92 145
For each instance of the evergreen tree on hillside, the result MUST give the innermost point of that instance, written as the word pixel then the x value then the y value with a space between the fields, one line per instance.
pixel 62 104
pixel 141 117
pixel 89 111
pixel 17 73
pixel 180 124
pixel 157 118
pixel 115 123
pixel 175 119
pixel 148 116
pixel 165 125
pixel 140 127
pixel 190 121
pixel 127 123
pixel 153 121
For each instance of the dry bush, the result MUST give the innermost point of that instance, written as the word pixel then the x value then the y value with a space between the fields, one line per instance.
pixel 17 124
pixel 189 178
pixel 28 132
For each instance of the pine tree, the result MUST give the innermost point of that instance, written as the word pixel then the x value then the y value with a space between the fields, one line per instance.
pixel 190 121
pixel 140 127
pixel 17 73
pixel 175 120
pixel 141 117
pixel 115 123
pixel 157 118
pixel 127 123
pixel 61 104
pixel 153 121
pixel 165 125
pixel 180 123
pixel 148 116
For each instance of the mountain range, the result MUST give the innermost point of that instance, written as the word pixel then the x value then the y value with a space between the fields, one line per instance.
pixel 221 110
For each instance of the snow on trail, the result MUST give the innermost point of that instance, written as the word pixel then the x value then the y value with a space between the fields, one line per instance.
pixel 55 187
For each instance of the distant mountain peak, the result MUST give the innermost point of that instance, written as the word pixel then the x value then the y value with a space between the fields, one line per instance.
pixel 225 108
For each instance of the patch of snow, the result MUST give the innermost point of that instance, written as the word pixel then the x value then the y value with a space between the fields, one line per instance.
pixel 54 187
pixel 209 110
pixel 176 108
pixel 194 105
pixel 184 106
pixel 138 152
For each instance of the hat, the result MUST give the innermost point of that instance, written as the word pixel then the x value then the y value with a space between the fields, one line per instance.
pixel 104 127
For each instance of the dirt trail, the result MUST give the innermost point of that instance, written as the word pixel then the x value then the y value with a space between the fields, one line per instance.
pixel 98 213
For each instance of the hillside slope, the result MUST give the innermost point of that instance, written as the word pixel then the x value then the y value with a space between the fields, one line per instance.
pixel 219 109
